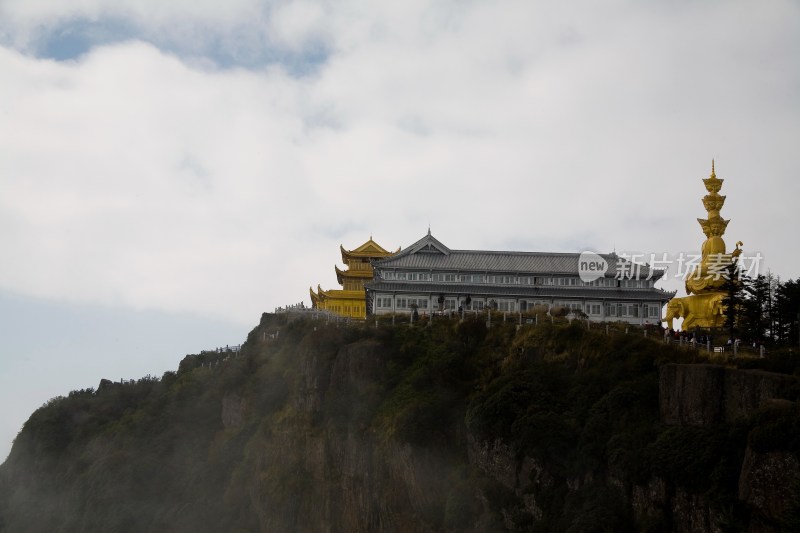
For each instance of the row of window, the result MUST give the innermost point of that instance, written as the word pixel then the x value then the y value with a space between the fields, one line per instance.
pixel 359 265
pixel 354 285
pixel 621 310
pixel 402 303
pixel 572 306
pixel 345 309
pixel 562 281
pixel 632 310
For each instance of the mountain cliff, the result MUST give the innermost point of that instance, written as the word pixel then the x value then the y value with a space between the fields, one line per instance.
pixel 443 426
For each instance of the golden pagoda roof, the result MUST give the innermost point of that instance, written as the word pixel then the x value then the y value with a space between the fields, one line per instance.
pixel 359 267
pixel 351 274
pixel 340 295
pixel 368 249
pixel 713 203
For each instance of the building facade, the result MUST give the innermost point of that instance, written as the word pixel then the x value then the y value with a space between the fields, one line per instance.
pixel 429 277
pixel 349 301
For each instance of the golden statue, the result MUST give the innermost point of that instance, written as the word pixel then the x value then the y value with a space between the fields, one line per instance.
pixel 703 307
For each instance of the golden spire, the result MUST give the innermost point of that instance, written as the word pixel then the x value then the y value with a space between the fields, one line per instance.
pixel 712 183
pixel 713 202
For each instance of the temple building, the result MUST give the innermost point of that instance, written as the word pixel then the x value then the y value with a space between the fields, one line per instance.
pixel 428 276
pixel 350 301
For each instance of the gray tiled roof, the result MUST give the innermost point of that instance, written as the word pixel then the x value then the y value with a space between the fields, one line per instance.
pixel 520 291
pixel 430 254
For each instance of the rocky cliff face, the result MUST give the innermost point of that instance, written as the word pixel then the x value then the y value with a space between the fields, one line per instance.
pixel 704 395
pixel 445 428
pixel 332 473
pixel 768 484
pixel 710 395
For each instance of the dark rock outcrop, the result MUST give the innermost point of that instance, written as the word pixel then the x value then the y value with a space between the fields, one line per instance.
pixel 704 395
pixel 233 406
pixel 691 395
pixel 768 483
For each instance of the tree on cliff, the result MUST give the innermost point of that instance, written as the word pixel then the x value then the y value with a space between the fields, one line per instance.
pixel 755 316
pixel 736 289
pixel 787 312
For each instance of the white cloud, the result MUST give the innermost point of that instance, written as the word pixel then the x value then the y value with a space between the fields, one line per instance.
pixel 297 23
pixel 136 177
pixel 129 176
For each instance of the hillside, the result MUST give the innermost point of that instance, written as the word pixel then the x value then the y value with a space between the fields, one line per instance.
pixel 449 426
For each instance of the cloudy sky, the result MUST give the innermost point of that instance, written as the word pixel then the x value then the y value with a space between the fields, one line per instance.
pixel 170 170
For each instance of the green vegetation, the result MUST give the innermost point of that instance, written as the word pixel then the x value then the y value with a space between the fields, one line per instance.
pixel 763 309
pixel 332 427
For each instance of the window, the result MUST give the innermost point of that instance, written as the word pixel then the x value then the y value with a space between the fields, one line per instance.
pixel 450 303
pixel 421 303
pixel 401 275
pixel 506 305
pixel 449 277
pixel 401 303
pixel 653 311
pixel 593 309
pixel 630 310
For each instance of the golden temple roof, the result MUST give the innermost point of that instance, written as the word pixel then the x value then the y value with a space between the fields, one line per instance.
pixel 367 250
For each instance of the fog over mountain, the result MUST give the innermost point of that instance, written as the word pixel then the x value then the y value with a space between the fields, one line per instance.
pixel 193 164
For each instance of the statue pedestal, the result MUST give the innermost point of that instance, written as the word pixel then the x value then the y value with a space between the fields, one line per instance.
pixel 698 311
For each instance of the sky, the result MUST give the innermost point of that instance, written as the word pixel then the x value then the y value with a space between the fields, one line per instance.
pixel 169 170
